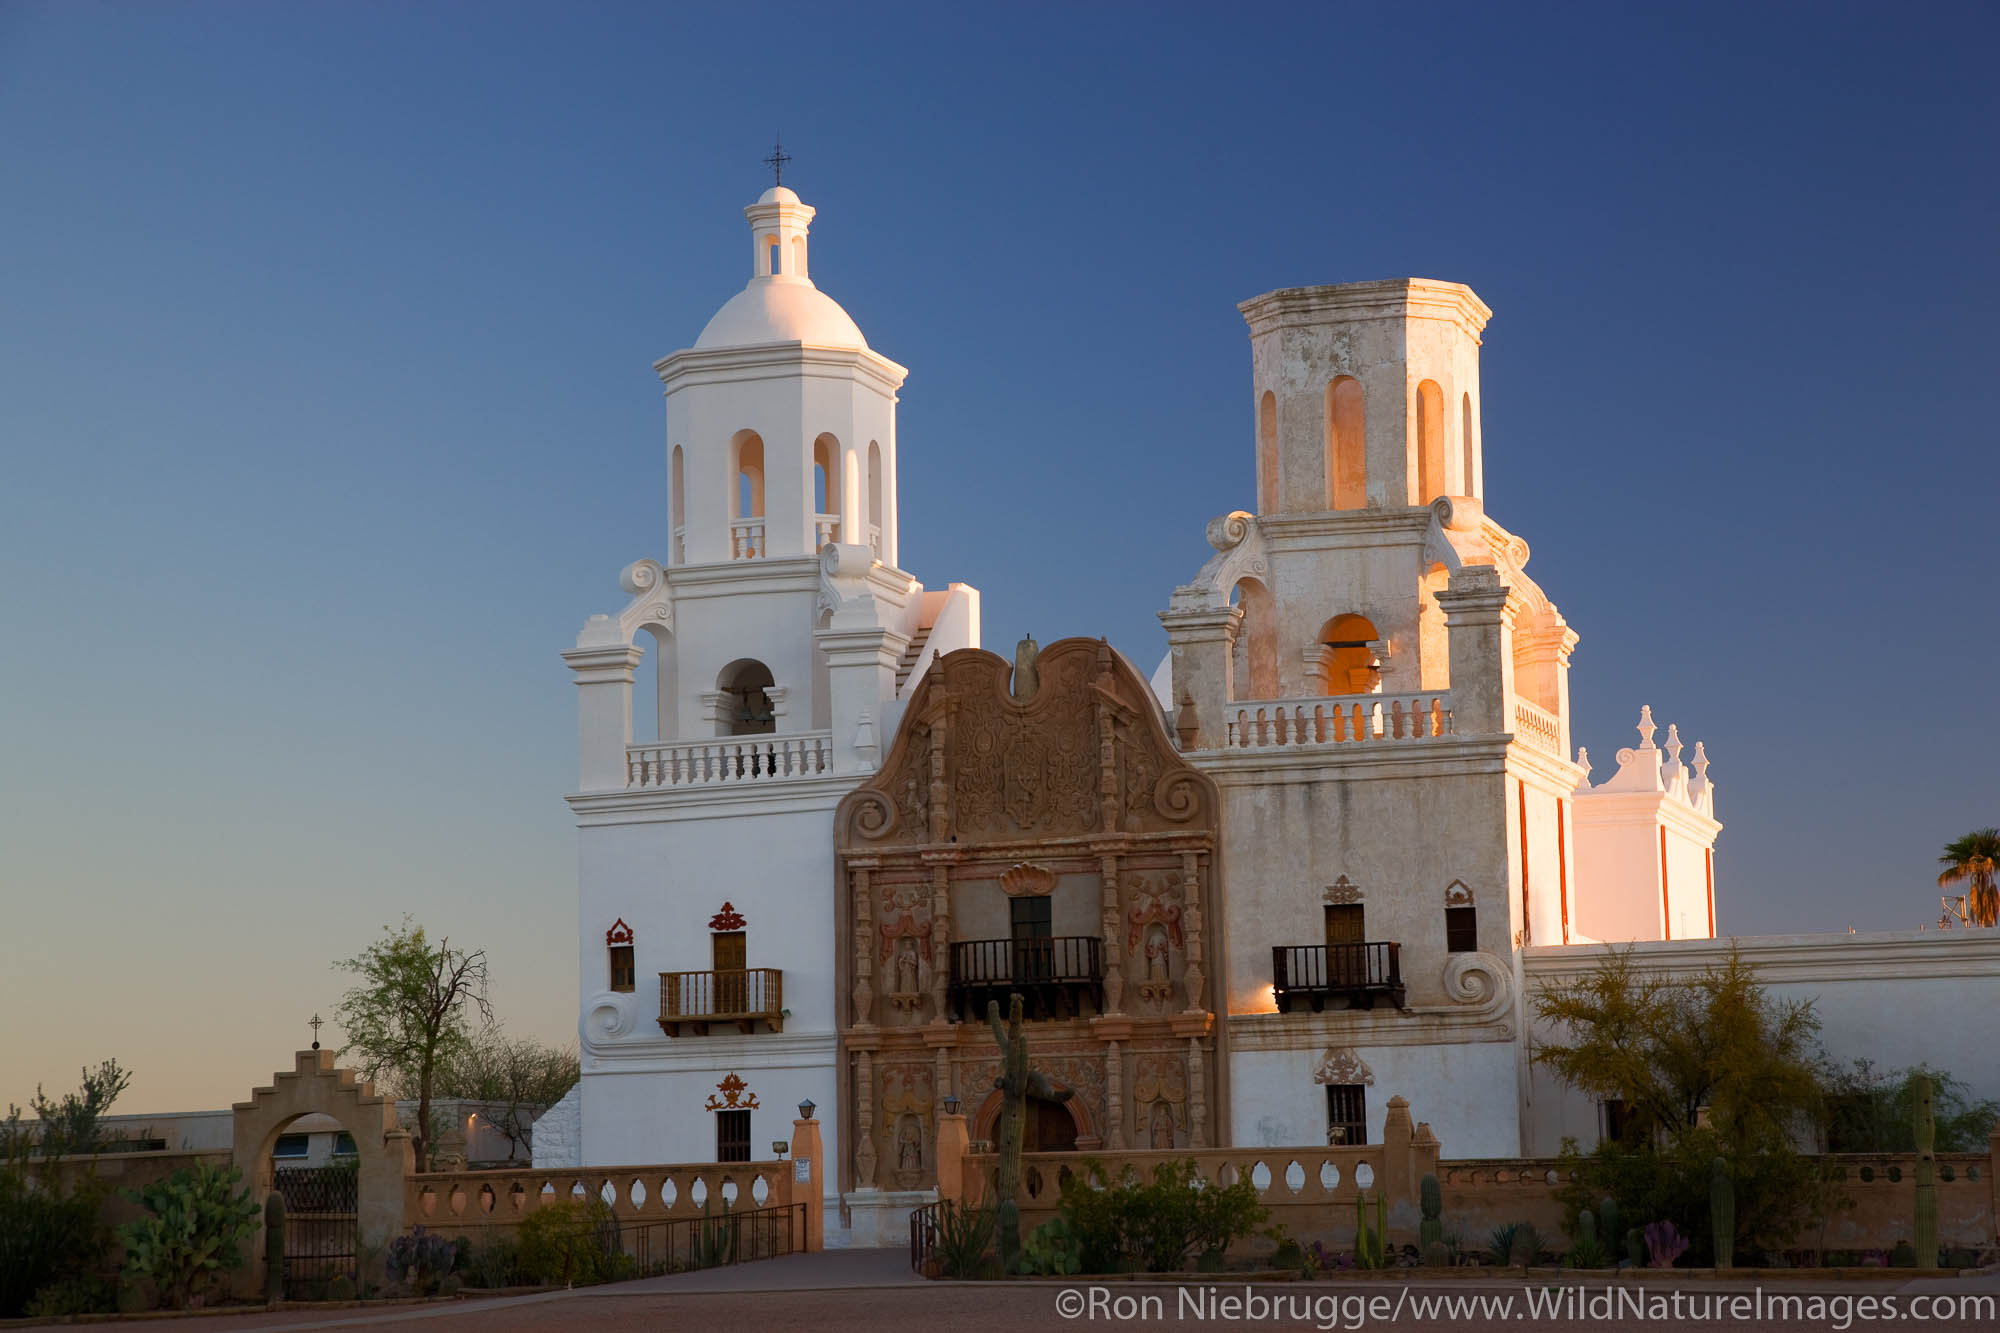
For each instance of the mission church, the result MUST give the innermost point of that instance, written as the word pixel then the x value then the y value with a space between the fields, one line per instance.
pixel 1314 861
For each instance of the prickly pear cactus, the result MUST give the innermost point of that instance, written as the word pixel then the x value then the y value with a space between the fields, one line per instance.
pixel 1016 1083
pixel 1924 1123
pixel 1722 1212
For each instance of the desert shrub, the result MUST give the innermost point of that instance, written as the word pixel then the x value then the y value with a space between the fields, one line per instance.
pixel 51 1237
pixel 421 1258
pixel 571 1242
pixel 964 1242
pixel 200 1219
pixel 1155 1226
pixel 498 1264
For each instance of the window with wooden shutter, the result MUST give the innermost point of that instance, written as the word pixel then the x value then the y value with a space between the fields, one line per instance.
pixel 1461 929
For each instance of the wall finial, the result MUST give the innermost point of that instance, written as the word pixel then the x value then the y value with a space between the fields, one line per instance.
pixel 1646 727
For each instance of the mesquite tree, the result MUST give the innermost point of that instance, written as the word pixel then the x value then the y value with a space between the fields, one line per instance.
pixel 408 1016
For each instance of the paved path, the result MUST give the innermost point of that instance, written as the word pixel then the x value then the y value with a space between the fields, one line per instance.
pixel 872 1291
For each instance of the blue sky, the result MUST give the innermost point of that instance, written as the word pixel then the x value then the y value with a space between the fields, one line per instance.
pixel 326 413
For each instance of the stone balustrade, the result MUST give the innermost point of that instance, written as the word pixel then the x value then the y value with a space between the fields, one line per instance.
pixel 1537 726
pixel 746 539
pixel 1358 719
pixel 473 1202
pixel 730 760
pixel 826 528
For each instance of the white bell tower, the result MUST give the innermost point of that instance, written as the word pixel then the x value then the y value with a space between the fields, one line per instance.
pixel 785 641
pixel 781 423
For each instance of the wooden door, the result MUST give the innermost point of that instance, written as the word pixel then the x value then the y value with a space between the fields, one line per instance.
pixel 732 981
pixel 1346 933
pixel 1049 1127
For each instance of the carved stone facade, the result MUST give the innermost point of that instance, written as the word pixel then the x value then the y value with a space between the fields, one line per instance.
pixel 1055 844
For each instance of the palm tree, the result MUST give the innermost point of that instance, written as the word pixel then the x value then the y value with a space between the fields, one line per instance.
pixel 1970 861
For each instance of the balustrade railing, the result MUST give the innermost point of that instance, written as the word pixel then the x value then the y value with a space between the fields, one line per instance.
pixel 826 528
pixel 744 996
pixel 746 539
pixel 1051 973
pixel 1537 726
pixel 1355 719
pixel 1317 972
pixel 728 760
pixel 680 544
pixel 875 539
pixel 475 1201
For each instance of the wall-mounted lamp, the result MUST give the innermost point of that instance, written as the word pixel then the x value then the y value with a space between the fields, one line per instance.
pixel 951 1103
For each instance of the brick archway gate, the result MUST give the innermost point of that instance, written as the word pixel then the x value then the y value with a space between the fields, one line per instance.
pixel 384 1156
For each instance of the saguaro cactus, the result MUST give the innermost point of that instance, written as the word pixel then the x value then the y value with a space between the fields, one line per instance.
pixel 1722 1212
pixel 1924 1123
pixel 274 1247
pixel 1016 1083
pixel 1431 1199
pixel 1370 1246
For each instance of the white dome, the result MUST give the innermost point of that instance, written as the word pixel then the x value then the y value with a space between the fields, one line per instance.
pixel 777 194
pixel 777 310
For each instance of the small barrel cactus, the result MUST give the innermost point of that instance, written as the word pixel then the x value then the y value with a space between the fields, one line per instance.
pixel 1586 1226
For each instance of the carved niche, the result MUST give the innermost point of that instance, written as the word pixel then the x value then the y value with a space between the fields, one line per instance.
pixel 905 948
pixel 907 1097
pixel 1154 932
pixel 1159 1101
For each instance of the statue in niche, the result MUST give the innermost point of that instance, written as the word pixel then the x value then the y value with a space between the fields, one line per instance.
pixel 906 966
pixel 1157 988
pixel 1163 1126
pixel 909 1152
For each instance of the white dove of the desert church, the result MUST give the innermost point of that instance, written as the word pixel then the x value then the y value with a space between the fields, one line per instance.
pixel 1317 859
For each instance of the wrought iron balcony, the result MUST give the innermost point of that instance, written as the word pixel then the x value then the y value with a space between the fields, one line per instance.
pixel 1054 976
pixel 1348 976
pixel 746 998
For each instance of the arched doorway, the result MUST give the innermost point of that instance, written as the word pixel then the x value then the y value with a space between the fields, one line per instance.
pixel 1047 1126
pixel 315 1167
pixel 309 1093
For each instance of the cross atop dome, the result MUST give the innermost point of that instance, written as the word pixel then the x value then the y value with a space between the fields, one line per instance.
pixel 776 162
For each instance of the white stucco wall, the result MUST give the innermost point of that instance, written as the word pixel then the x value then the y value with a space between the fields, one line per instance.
pixel 1897 998
pixel 1467 1092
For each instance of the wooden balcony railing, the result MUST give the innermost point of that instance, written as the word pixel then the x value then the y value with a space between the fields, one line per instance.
pixel 1053 975
pixel 1353 976
pixel 746 998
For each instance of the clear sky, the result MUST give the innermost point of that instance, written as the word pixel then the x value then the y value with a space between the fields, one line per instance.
pixel 327 414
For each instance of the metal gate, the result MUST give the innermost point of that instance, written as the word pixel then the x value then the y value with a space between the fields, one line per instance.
pixel 320 1216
